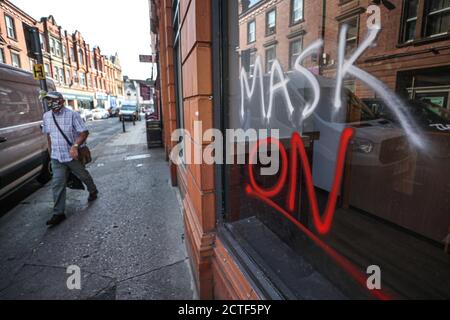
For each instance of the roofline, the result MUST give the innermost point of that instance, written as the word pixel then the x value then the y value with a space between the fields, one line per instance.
pixel 20 10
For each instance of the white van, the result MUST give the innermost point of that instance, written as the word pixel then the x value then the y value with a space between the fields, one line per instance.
pixel 23 146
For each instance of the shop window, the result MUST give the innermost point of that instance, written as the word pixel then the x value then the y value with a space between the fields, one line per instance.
pixel 354 189
pixel 15 59
pixel 295 48
pixel 296 11
pixel 271 22
pixel 437 17
pixel 10 27
pixel 179 79
pixel 251 32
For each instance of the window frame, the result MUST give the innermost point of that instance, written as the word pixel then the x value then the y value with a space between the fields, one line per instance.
pixel 178 75
pixel 15 54
pixel 81 56
pixel 292 22
pixel 270 32
pixel 426 14
pixel 266 58
pixel 12 27
pixel 248 31
pixel 347 40
pixel 420 35
pixel 291 60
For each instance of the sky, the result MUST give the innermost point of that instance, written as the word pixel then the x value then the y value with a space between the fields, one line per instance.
pixel 113 25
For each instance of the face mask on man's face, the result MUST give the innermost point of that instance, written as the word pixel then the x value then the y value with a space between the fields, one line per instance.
pixel 54 106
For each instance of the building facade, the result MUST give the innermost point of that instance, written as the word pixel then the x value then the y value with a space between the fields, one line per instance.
pixel 87 78
pixel 13 48
pixel 359 96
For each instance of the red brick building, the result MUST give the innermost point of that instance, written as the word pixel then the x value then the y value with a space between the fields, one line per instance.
pixel 13 48
pixel 252 237
pixel 86 77
pixel 412 31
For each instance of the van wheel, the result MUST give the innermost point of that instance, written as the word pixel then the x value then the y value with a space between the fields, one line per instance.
pixel 47 172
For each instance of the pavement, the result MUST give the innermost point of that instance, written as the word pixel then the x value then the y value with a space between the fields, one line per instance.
pixel 129 244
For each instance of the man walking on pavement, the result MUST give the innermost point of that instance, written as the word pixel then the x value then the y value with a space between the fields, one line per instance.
pixel 63 126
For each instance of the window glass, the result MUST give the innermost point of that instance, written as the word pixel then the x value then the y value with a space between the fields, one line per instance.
pixel 15 58
pixel 10 27
pixel 251 35
pixel 354 180
pixel 19 106
pixel 270 58
pixel 295 48
pixel 438 17
pixel 296 11
pixel 271 22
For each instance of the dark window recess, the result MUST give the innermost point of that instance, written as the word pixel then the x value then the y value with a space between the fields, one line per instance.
pixel 409 20
pixel 437 20
pixel 248 4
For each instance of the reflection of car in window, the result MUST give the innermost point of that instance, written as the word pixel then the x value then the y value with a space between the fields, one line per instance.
pixel 429 116
pixel 379 144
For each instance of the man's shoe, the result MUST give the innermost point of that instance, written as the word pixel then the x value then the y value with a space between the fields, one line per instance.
pixel 56 219
pixel 93 196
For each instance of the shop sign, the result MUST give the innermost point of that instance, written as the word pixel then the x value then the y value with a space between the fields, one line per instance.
pixel 101 96
pixel 38 72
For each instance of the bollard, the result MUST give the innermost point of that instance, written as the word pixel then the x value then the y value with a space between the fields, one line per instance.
pixel 123 124
pixel 134 121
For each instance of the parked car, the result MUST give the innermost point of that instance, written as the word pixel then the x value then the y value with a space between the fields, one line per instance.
pixel 130 112
pixel 428 116
pixel 100 114
pixel 86 115
pixel 23 146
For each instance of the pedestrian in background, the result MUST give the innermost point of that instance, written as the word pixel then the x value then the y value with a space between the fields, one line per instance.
pixel 66 134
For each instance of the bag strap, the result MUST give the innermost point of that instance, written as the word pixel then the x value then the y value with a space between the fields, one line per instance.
pixel 60 130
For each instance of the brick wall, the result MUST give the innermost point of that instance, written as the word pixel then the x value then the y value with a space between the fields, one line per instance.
pixel 389 55
pixel 17 45
pixel 309 28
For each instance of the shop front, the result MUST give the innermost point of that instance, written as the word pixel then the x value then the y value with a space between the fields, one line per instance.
pixel 79 101
pixel 101 100
pixel 320 193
